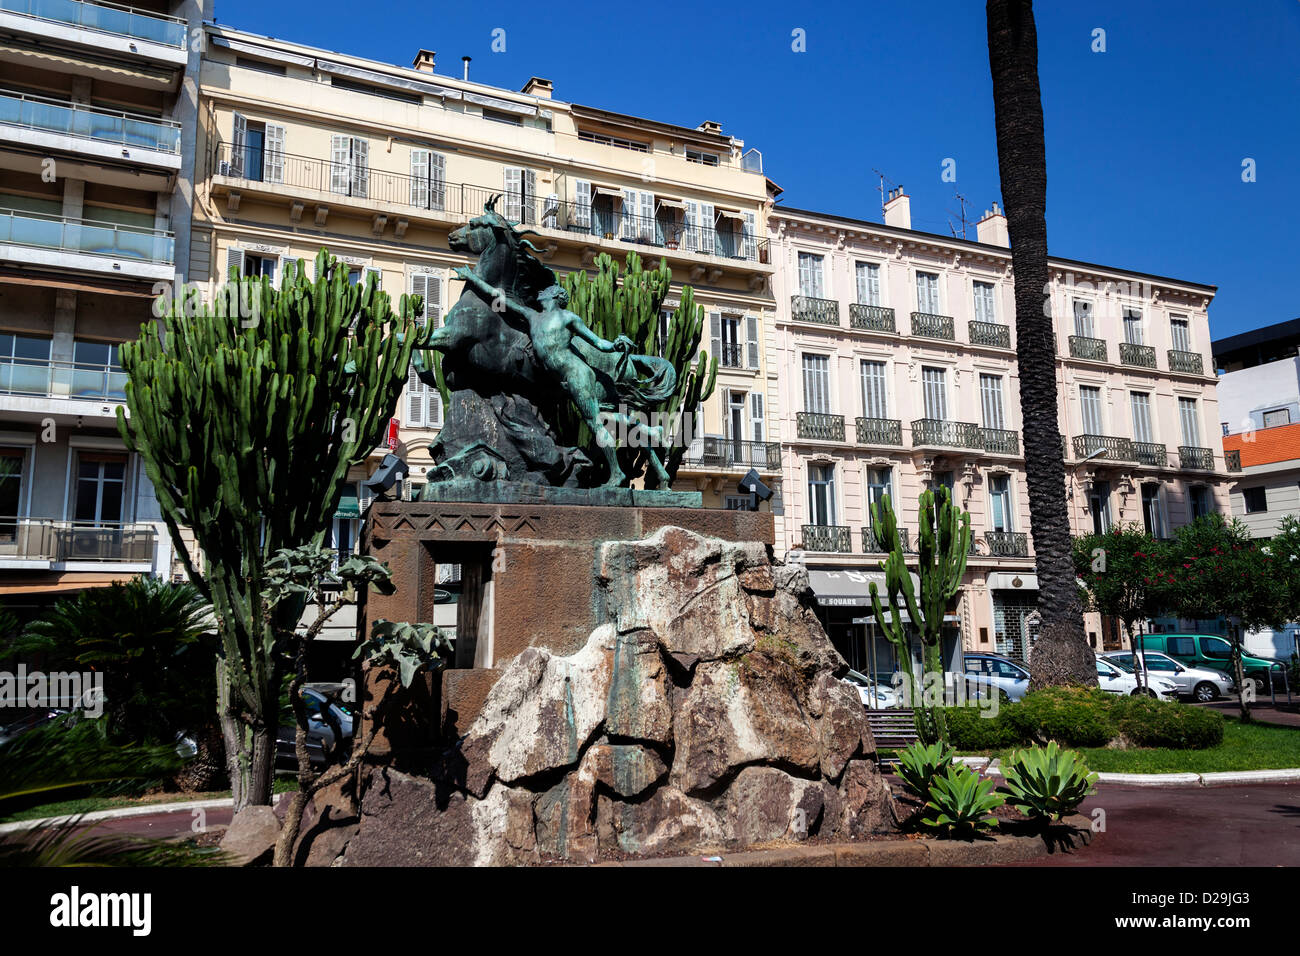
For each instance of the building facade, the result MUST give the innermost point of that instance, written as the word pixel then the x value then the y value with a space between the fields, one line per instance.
pixel 1259 377
pixel 896 350
pixel 97 121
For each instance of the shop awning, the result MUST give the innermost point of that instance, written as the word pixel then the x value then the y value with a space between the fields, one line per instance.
pixel 848 588
pixel 1013 581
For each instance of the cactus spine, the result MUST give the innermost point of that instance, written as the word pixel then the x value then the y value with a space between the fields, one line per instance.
pixel 247 413
pixel 943 546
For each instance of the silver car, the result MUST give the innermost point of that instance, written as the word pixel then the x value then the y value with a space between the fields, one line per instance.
pixel 997 672
pixel 1199 683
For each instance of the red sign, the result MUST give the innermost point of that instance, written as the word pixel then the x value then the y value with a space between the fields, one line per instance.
pixel 393 424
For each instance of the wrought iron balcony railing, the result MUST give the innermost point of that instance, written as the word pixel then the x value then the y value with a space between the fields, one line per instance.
pixel 1150 453
pixel 871 545
pixel 62 379
pixel 827 537
pixel 990 333
pixel 939 433
pixel 1008 544
pixel 1141 356
pixel 1196 459
pixel 44 539
pixel 714 452
pixel 879 431
pixel 87 237
pixel 931 326
pixel 118 128
pixel 105 18
pixel 732 356
pixel 807 308
pixel 1000 441
pixel 1082 347
pixel 819 426
pixel 871 318
pixel 1180 361
pixel 1233 460
pixel 1115 449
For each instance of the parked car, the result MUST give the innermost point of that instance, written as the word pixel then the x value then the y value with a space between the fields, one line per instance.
pixel 1200 683
pixel 329 731
pixel 872 695
pixel 993 672
pixel 30 722
pixel 1213 652
pixel 1116 680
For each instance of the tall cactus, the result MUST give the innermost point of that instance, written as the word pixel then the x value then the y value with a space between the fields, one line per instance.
pixel 247 413
pixel 944 544
pixel 627 302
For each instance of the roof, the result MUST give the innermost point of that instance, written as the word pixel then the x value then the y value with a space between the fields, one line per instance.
pixel 1266 446
pixel 1278 331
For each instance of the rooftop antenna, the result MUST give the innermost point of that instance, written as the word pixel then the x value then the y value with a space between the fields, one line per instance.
pixel 961 215
pixel 884 198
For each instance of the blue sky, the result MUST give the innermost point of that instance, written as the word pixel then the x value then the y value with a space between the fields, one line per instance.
pixel 1145 141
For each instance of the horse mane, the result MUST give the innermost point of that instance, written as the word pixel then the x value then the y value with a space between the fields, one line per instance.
pixel 531 276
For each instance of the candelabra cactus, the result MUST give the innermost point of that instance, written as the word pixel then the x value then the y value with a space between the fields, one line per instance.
pixel 247 413
pixel 944 543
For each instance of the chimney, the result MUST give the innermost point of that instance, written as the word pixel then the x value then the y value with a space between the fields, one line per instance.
pixel 465 60
pixel 536 86
pixel 424 61
pixel 898 209
pixel 992 229
pixel 708 126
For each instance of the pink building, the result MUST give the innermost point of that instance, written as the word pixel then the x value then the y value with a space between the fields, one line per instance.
pixel 897 370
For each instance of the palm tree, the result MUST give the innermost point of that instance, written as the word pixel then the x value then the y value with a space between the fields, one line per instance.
pixel 1061 654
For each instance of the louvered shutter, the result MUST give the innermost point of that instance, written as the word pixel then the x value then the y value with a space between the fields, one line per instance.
pixel 709 230
pixel 715 334
pixel 751 340
pixel 1083 319
pixel 414 399
pixel 1141 404
pixel 691 238
pixel 756 414
pixel 628 224
pixel 933 381
pixel 234 263
pixel 582 206
pixel 749 244
pixel 873 390
pixel 1187 417
pixel 340 156
pixel 420 178
pixel 287 266
pixel 437 181
pixel 991 401
pixel 514 189
pixel 238 143
pixel 1090 409
pixel 273 167
pixel 360 168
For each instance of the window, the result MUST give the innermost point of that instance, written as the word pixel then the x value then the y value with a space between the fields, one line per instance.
pixel 1202 503
pixel 934 388
pixel 736 502
pixel 1188 418
pixel 428 179
pixel 991 401
pixel 97 371
pixel 868 275
pixel 590 137
pixel 1152 513
pixel 100 483
pixel 665 321
pixel 703 158
pixel 732 350
pixel 735 423
pixel 875 402
pixel 730 354
pixel 521 193
pixel 1182 646
pixel 821 494
pixel 817 384
pixel 1216 648
pixel 423 402
pixel 701 233
pixel 250 265
pixel 810 276
pixel 1099 505
pixel 943 479
pixel 1083 319
pixel 496 116
pixel 879 483
pixel 12 461
pixel 1274 418
pixel 637 219
pixel 1180 333
pixel 984 302
pixel 24 364
pixel 927 292
pixel 387 93
pixel 1256 500
pixel 1133 326
pixel 1000 502
pixel 257 150
pixel 1141 406
pixel 1090 409
pixel 349 165
pixel 261 66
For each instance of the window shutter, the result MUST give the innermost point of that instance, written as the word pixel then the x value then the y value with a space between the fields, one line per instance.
pixel 437 181
pixel 1083 319
pixel 234 263
pixel 414 399
pixel 715 334
pixel 709 230
pixel 273 165
pixel 514 188
pixel 433 311
pixel 377 273
pixel 238 141
pixel 1090 408
pixel 690 238
pixel 582 207
pixel 287 266
pixel 936 393
pixel 340 155
pixel 756 414
pixel 528 198
pixel 627 227
pixel 420 178
pixel 991 401
pixel 749 244
pixel 1141 404
pixel 360 168
pixel 1191 427
pixel 874 404
pixel 751 340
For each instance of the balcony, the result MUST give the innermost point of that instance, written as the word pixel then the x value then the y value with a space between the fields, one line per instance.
pixel 33 238
pixel 879 431
pixel 72 380
pixel 870 545
pixel 1195 459
pixel 723 453
pixel 1000 441
pixel 1190 362
pixel 62 125
pixel 1233 460
pixel 44 539
pixel 993 334
pixel 827 537
pixel 1140 356
pixel 938 433
pixel 732 355
pixel 930 326
pixel 871 318
pixel 806 308
pixel 819 426
pixel 1113 449
pixel 1082 347
pixel 106 26
pixel 1008 544
pixel 1150 453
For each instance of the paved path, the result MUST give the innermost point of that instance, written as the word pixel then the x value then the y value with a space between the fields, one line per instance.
pixel 1262 712
pixel 1254 825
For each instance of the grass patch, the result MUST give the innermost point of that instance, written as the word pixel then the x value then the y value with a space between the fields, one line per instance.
pixel 60 808
pixel 1245 747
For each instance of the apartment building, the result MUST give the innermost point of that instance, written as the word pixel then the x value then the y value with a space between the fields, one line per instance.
pixel 1259 377
pixel 97 113
pixel 897 350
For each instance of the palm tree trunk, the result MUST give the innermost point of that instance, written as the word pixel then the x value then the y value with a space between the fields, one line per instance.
pixel 1061 654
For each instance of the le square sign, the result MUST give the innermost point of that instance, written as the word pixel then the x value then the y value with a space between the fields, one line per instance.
pixel 393 425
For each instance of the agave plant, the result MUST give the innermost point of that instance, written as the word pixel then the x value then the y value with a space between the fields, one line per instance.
pixel 1047 782
pixel 920 763
pixel 961 803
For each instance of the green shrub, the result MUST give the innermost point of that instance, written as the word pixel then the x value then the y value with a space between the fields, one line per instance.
pixel 1047 782
pixel 1145 722
pixel 961 803
pixel 974 728
pixel 1075 716
pixel 920 763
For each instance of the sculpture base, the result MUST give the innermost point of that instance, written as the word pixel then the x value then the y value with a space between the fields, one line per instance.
pixel 518 492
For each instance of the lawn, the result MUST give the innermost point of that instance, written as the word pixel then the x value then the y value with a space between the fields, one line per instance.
pixel 1245 747
pixel 62 808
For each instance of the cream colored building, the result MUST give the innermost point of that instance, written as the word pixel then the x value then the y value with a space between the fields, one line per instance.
pixel 896 349
pixel 97 122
